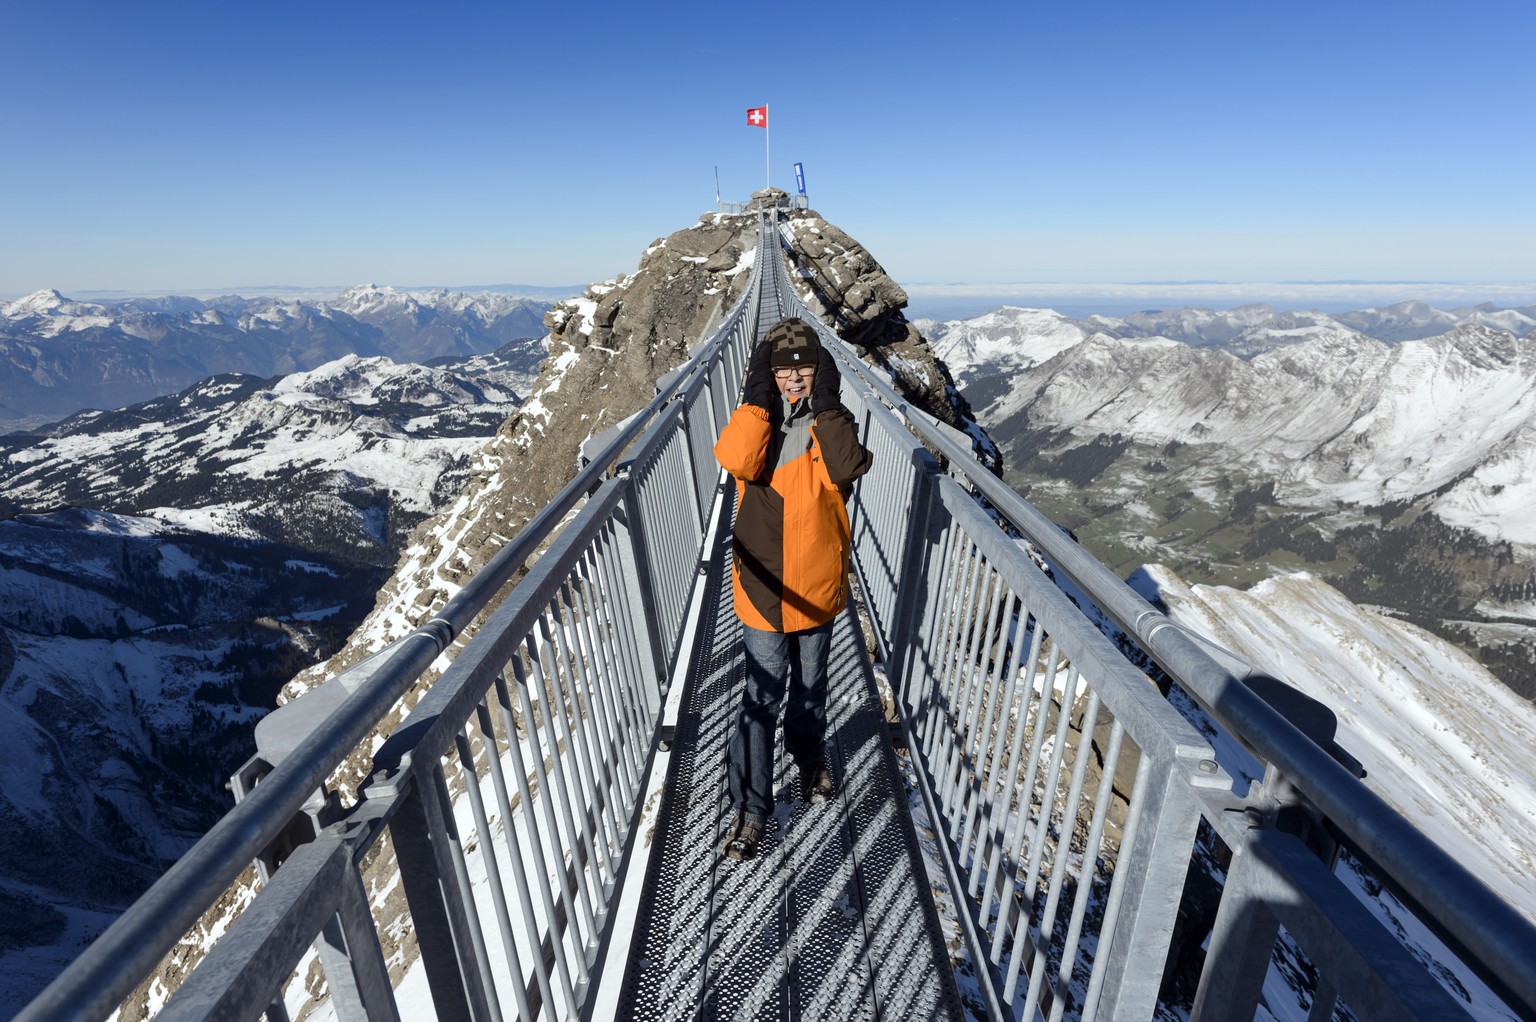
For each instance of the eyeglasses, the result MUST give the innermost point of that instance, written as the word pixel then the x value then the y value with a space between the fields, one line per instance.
pixel 785 372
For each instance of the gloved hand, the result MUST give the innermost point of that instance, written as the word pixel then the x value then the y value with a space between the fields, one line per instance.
pixel 758 388
pixel 827 391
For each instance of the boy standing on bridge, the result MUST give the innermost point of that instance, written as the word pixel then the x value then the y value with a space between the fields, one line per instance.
pixel 794 451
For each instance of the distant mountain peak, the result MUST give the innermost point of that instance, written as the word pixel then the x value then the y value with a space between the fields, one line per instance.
pixel 38 303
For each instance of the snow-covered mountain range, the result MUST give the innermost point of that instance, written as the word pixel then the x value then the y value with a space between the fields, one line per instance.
pixel 58 355
pixel 1335 416
pixel 1017 338
pixel 334 454
pixel 1401 470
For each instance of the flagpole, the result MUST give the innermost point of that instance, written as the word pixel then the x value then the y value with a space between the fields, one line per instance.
pixel 767 148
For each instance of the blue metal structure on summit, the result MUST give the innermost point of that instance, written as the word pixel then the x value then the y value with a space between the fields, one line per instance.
pixel 1018 811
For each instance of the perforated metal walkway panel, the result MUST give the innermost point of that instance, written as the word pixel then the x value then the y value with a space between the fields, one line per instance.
pixel 834 919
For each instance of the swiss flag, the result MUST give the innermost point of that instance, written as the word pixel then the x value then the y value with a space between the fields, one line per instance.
pixel 757 116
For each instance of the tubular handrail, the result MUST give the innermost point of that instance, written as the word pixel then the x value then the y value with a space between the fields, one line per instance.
pixel 109 969
pixel 1482 928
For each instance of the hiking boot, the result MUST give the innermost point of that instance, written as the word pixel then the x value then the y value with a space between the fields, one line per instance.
pixel 742 838
pixel 816 785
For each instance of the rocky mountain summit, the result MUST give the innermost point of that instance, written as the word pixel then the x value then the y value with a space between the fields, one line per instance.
pixel 607 347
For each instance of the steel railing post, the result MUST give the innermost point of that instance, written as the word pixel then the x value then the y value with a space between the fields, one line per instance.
pixel 1241 944
pixel 353 961
pixel 634 560
pixel 436 913
pixel 1148 886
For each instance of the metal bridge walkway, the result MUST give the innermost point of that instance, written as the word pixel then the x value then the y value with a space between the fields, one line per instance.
pixel 834 919
pixel 504 828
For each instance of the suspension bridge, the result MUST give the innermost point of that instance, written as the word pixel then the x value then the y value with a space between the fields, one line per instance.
pixel 1018 806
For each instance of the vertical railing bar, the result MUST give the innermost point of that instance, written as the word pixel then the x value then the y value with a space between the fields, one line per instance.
pixel 436 916
pixel 633 556
pixel 958 629
pixel 546 859
pixel 989 674
pixel 950 663
pixel 952 571
pixel 642 705
pixel 1102 800
pixel 485 719
pixel 623 662
pixel 488 853
pixel 919 651
pixel 655 551
pixel 626 692
pixel 675 572
pixel 670 538
pixel 881 525
pixel 535 836
pixel 1020 912
pixel 616 598
pixel 1010 874
pixel 619 781
pixel 586 769
pixel 658 545
pixel 1061 866
pixel 352 960
pixel 1050 795
pixel 967 681
pixel 997 833
pixel 1324 999
pixel 691 534
pixel 1116 888
pixel 702 435
pixel 994 729
pixel 982 690
pixel 549 685
pixel 455 849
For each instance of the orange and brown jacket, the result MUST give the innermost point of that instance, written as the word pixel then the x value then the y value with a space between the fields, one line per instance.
pixel 791 543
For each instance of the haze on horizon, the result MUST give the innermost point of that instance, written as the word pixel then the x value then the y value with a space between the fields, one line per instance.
pixel 187 148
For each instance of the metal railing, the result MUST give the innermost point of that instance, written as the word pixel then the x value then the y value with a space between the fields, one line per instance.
pixel 970 638
pixel 572 667
pixel 1069 794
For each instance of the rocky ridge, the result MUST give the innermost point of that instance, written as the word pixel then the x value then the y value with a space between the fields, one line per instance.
pixel 606 348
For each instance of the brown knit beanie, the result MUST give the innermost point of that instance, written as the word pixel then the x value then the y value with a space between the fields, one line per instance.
pixel 792 342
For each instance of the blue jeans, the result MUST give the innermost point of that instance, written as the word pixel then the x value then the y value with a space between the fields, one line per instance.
pixel 778 664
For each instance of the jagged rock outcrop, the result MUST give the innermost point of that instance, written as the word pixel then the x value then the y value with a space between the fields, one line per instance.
pixel 843 284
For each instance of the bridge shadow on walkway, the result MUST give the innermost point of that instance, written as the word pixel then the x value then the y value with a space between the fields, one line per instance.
pixel 835 918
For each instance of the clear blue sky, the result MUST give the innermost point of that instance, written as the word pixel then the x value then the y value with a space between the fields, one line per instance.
pixel 164 146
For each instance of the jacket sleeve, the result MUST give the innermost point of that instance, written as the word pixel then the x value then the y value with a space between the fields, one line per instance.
pixel 742 449
pixel 844 457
